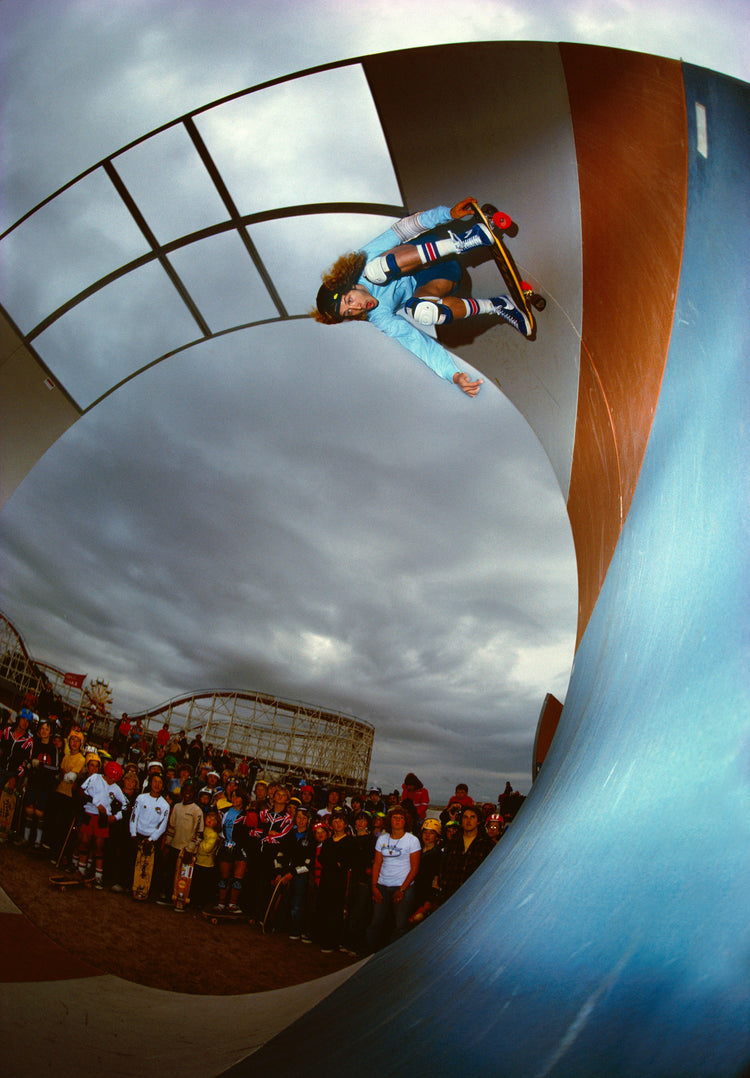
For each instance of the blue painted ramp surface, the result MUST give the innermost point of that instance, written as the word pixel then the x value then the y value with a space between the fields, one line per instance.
pixel 609 934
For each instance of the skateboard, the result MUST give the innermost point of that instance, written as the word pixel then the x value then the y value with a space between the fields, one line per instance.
pixel 275 902
pixel 424 911
pixel 64 846
pixel 521 292
pixel 215 916
pixel 7 812
pixel 144 868
pixel 64 883
pixel 183 878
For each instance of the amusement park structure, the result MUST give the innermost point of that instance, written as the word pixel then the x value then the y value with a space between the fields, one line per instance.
pixel 287 738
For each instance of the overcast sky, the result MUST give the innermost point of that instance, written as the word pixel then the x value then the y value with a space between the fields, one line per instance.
pixel 262 512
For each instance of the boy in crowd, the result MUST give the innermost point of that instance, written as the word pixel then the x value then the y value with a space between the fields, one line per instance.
pixel 104 803
pixel 150 815
pixel 183 834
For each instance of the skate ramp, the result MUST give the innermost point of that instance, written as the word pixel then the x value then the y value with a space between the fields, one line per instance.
pixel 607 934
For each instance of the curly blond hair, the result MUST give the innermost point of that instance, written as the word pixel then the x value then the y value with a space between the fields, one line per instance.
pixel 341 277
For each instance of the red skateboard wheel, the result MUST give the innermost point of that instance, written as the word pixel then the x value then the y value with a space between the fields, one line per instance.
pixel 501 220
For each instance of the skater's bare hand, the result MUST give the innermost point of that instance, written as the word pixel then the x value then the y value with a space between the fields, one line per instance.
pixel 463 208
pixel 465 384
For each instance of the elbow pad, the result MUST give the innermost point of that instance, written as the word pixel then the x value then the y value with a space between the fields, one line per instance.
pixel 408 228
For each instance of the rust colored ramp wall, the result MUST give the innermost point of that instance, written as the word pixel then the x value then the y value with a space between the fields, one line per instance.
pixel 629 123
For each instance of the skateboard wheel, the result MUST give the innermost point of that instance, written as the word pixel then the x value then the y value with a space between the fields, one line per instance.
pixel 501 220
pixel 533 297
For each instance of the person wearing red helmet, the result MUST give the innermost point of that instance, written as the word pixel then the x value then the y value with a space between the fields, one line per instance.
pixel 494 825
pixel 103 804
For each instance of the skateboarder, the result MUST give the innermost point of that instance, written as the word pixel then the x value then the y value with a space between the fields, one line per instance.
pixel 42 776
pixel 62 804
pixel 16 747
pixel 150 815
pixel 183 835
pixel 104 803
pixel 404 280
pixel 232 858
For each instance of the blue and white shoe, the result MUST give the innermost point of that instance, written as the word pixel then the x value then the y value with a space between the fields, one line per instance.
pixel 477 236
pixel 506 308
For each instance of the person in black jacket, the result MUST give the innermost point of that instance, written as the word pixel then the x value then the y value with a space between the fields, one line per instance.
pixel 336 861
pixel 297 855
pixel 360 887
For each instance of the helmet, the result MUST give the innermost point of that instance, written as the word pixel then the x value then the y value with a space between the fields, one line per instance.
pixel 24 713
pixel 432 825
pixel 91 755
pixel 495 817
pixel 112 771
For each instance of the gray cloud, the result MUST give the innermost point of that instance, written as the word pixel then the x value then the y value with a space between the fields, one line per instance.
pixel 294 509
pixel 302 529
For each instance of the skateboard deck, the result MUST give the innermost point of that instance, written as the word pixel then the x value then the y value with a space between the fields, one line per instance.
pixel 64 883
pixel 520 291
pixel 144 869
pixel 215 916
pixel 183 879
pixel 274 904
pixel 7 812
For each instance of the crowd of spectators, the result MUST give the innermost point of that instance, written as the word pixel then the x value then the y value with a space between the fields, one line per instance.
pixel 351 872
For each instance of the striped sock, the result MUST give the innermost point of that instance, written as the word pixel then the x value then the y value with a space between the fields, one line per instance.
pixel 432 250
pixel 478 306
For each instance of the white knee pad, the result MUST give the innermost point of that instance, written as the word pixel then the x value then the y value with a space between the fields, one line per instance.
pixel 427 312
pixel 376 271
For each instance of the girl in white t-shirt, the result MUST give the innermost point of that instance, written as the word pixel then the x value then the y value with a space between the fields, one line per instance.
pixel 394 869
